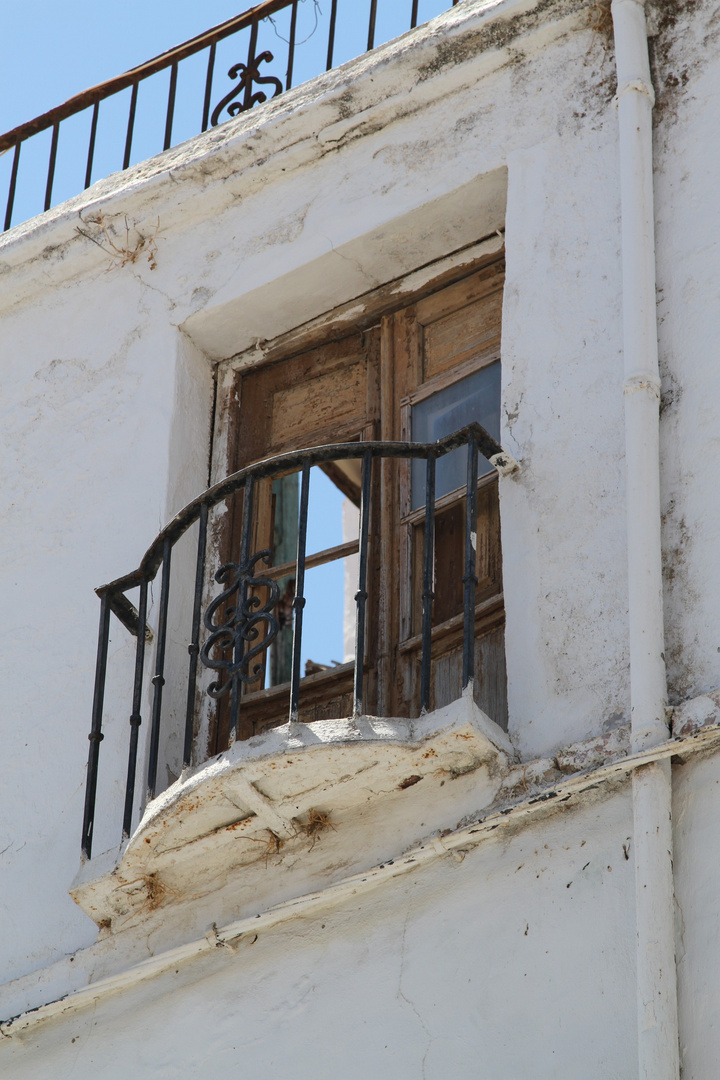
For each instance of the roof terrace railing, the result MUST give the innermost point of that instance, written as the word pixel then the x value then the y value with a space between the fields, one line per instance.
pixel 231 635
pixel 337 33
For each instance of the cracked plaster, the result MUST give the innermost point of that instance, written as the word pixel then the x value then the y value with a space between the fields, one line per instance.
pixel 98 461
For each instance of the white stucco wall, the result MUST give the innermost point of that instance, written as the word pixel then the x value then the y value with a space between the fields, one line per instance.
pixel 696 790
pixel 688 244
pixel 438 974
pixel 412 152
pixel 563 518
pixel 89 394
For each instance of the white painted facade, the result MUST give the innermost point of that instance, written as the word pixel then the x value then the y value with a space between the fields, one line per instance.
pixel 408 940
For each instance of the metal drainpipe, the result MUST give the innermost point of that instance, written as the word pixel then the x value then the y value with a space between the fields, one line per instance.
pixel 652 784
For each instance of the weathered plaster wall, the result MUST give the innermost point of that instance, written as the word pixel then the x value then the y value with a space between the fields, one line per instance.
pixel 410 153
pixel 563 516
pixel 333 188
pixel 88 380
pixel 516 962
pixel 696 795
pixel 188 475
pixel 688 244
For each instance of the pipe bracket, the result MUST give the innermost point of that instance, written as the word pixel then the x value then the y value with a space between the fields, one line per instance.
pixel 642 381
pixel 638 85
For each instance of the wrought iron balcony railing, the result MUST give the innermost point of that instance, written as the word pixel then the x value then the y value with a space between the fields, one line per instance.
pixel 313 39
pixel 230 632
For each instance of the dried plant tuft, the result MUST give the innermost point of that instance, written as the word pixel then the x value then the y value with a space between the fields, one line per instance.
pixel 317 821
pixel 131 251
pixel 601 23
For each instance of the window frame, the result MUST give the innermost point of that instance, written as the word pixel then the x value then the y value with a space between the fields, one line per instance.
pixel 391 420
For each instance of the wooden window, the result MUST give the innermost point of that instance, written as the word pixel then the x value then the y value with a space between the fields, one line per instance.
pixel 423 372
pixel 446 362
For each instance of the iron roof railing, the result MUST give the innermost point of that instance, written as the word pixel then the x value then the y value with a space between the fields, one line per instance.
pixel 252 30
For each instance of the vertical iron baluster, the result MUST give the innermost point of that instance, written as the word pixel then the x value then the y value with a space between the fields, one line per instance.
pixel 159 677
pixel 135 716
pixel 291 45
pixel 171 106
pixel 428 574
pixel 131 125
pixel 91 147
pixel 361 594
pixel 194 646
pixel 371 25
pixel 51 165
pixel 299 600
pixel 13 182
pixel 414 15
pixel 236 688
pixel 470 575
pixel 96 735
pixel 252 48
pixel 331 35
pixel 208 86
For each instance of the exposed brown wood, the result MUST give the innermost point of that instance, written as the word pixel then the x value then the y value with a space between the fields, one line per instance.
pixel 325 695
pixel 438 341
pixel 386 549
pixel 418 515
pixel 373 342
pixel 462 335
pixel 289 404
pixel 226 421
pixel 447 378
pixel 488 609
pixel 321 395
pixel 490 683
pixel 406 351
pixel 369 308
pixel 319 558
pixel 336 398
pixel 489 552
pixel 264 525
pixel 462 322
pixel 310 685
pixel 471 288
pixel 373 349
pixel 309 712
pixel 449 561
pixel 364 386
pixel 450 555
pixel 263 515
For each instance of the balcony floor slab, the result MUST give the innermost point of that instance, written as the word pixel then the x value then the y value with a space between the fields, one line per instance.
pixel 327 796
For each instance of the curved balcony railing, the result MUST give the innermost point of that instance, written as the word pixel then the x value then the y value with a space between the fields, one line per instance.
pixel 305 40
pixel 225 631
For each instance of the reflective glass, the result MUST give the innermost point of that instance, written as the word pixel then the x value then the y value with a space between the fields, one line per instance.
pixel 474 398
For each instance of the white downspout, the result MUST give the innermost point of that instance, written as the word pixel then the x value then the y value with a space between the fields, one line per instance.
pixel 652 791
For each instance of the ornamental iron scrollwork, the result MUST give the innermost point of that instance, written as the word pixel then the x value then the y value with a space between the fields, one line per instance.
pixel 247 75
pixel 239 631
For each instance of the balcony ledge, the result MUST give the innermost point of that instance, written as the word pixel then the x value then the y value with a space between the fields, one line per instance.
pixel 358 786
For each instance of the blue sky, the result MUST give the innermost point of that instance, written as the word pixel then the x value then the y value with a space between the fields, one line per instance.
pixel 53 50
pixel 60 48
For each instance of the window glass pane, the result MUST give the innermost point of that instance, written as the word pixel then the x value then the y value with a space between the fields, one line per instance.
pixel 475 398
pixel 323 642
pixel 329 616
